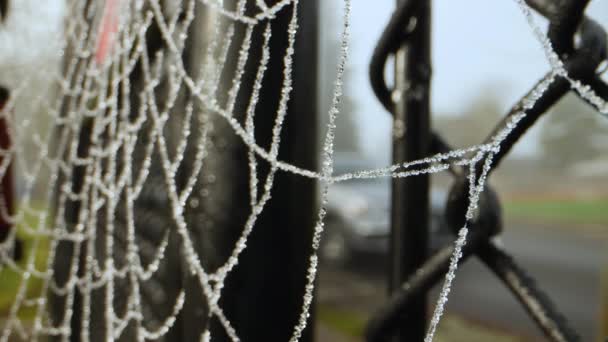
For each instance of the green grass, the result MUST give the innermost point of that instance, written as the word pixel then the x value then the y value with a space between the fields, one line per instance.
pixel 453 328
pixel 569 211
pixel 346 322
pixel 11 280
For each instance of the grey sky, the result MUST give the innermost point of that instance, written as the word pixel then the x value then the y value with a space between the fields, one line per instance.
pixel 476 44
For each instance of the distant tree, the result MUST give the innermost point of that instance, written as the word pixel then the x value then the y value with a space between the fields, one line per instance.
pixel 475 122
pixel 573 133
pixel 347 131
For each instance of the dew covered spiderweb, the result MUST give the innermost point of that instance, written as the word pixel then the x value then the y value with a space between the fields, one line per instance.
pixel 99 150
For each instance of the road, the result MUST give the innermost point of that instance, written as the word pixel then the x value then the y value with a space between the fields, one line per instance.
pixel 566 265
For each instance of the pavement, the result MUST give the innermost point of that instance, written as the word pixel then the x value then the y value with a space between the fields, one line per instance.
pixel 566 264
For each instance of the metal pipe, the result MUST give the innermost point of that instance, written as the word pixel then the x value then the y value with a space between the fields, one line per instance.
pixel 581 65
pixel 394 36
pixel 389 317
pixel 411 141
pixel 536 303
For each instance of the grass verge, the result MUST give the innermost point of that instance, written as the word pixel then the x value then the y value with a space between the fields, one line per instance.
pixel 12 280
pixel 452 328
pixel 570 211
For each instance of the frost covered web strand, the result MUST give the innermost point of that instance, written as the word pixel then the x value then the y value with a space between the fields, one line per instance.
pixel 68 289
pixel 558 69
pixel 105 188
pixel 96 190
pixel 476 187
pixel 556 63
pixel 327 170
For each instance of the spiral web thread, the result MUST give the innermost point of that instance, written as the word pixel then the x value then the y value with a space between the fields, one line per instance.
pixel 90 99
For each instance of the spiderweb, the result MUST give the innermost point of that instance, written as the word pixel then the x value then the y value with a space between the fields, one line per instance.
pixel 99 202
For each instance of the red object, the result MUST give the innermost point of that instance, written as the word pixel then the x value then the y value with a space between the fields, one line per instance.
pixel 7 183
pixel 107 30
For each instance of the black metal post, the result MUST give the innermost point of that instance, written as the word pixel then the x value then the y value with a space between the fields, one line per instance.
pixel 263 295
pixel 411 140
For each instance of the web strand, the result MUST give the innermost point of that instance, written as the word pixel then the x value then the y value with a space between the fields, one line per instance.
pixel 120 159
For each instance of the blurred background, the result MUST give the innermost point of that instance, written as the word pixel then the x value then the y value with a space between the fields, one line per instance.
pixel 553 186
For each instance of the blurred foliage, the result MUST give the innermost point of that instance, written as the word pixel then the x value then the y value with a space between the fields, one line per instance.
pixel 346 322
pixel 12 280
pixel 347 137
pixel 572 133
pixel 475 122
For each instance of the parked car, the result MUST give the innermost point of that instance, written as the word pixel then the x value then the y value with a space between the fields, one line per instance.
pixel 358 221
